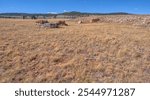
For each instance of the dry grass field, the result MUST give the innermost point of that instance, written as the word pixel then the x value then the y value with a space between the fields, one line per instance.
pixel 90 52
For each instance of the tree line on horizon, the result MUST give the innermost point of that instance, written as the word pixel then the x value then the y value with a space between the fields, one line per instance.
pixel 36 15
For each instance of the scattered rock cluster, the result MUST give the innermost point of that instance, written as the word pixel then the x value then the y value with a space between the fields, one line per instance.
pixel 45 23
pixel 41 21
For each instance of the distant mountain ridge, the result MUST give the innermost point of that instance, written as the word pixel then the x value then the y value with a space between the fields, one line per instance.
pixel 84 13
pixel 65 13
pixel 24 14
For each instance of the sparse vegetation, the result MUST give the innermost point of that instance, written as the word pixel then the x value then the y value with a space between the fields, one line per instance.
pixel 89 52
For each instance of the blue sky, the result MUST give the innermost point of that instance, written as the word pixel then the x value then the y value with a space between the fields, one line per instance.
pixel 57 6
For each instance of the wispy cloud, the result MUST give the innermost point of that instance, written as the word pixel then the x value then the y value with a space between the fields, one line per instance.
pixel 65 10
pixel 52 12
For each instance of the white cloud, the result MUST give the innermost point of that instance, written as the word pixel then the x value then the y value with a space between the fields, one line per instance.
pixel 65 10
pixel 52 12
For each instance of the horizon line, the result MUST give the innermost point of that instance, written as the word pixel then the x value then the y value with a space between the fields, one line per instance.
pixel 77 12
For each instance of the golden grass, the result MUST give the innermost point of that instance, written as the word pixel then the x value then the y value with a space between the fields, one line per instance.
pixel 92 52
